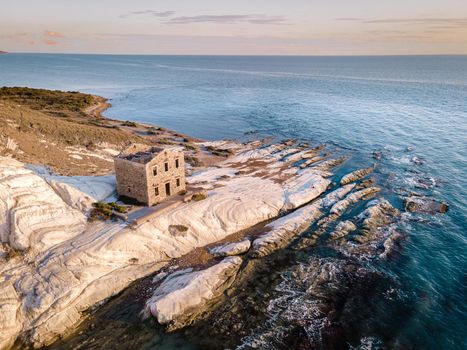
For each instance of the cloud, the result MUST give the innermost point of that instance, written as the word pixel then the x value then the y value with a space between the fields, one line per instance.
pixel 52 34
pixel 50 42
pixel 229 19
pixel 451 22
pixel 15 36
pixel 349 19
pixel 153 13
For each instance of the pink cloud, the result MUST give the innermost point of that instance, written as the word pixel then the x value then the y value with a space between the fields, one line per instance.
pixel 52 34
pixel 50 42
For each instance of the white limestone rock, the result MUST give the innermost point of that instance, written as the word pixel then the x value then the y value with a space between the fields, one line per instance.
pixel 356 175
pixel 74 265
pixel 184 294
pixel 229 249
pixel 283 230
pixel 334 196
pixel 97 188
pixel 340 207
pixel 32 215
pixel 303 188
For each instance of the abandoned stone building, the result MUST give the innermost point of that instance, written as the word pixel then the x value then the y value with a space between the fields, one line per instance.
pixel 150 175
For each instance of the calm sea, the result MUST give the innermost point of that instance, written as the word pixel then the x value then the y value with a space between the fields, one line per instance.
pixel 403 106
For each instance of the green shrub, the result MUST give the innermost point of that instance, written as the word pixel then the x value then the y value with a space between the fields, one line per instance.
pixel 199 196
pixel 219 152
pixel 189 147
pixel 106 210
pixel 129 123
pixel 193 161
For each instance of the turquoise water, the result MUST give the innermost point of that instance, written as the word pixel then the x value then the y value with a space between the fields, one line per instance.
pixel 364 104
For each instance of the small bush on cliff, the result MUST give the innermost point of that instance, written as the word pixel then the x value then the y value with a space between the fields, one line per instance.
pixel 193 161
pixel 219 152
pixel 199 196
pixel 128 123
pixel 106 211
pixel 189 147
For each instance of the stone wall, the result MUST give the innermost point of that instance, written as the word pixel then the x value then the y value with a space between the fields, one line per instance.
pixel 157 183
pixel 131 179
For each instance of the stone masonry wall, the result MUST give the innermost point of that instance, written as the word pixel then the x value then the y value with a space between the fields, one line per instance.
pixel 131 179
pixel 164 177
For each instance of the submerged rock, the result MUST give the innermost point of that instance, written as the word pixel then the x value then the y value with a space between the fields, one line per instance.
pixel 379 212
pixel 343 229
pixel 376 233
pixel 416 160
pixel 300 309
pixel 183 295
pixel 229 249
pixel 422 204
pixel 377 155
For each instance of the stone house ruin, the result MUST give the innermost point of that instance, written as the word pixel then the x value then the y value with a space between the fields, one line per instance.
pixel 150 174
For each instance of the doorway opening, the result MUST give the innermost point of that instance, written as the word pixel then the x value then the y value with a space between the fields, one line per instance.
pixel 167 189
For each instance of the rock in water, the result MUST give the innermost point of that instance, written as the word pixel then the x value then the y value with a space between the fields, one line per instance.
pixel 343 229
pixel 229 249
pixel 182 296
pixel 421 204
pixel 377 155
pixel 283 230
pixel 340 207
pixel 356 175
pixel 379 212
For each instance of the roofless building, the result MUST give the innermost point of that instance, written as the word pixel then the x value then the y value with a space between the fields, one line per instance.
pixel 150 174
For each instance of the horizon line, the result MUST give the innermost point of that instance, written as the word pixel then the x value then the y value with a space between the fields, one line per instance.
pixel 232 55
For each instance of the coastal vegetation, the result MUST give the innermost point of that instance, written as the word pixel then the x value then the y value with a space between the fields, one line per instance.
pixel 47 100
pixel 219 152
pixel 66 132
pixel 106 211
pixel 129 123
pixel 193 161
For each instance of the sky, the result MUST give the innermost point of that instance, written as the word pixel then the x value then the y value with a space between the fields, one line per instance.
pixel 235 27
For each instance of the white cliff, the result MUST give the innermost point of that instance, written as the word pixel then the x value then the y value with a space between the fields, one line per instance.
pixel 72 265
pixel 32 215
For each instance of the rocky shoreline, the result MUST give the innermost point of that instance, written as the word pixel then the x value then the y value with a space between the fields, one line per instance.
pixel 262 197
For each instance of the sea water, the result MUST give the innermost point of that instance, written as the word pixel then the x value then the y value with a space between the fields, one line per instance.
pixel 412 107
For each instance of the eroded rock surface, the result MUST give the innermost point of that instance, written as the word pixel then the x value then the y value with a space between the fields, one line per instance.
pixel 281 231
pixel 32 215
pixel 343 229
pixel 356 175
pixel 229 249
pixel 422 204
pixel 73 265
pixel 185 294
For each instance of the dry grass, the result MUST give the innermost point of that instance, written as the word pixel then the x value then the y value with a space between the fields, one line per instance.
pixel 66 132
